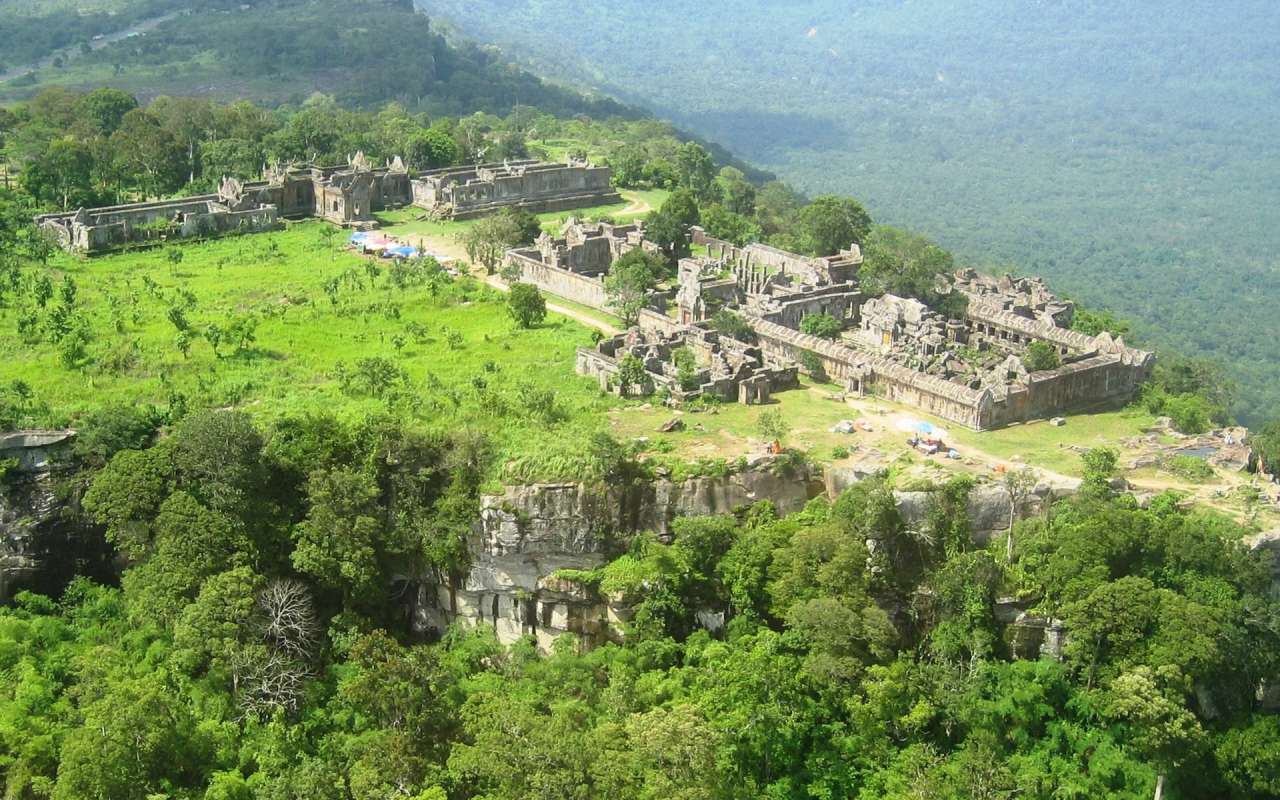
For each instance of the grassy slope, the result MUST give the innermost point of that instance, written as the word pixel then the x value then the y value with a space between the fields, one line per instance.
pixel 300 339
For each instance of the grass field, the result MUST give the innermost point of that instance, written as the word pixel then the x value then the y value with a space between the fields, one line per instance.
pixel 464 363
pixel 635 204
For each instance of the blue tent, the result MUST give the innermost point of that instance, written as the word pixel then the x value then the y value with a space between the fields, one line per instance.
pixel 924 427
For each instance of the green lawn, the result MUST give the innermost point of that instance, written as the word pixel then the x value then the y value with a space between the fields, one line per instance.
pixel 635 204
pixel 487 380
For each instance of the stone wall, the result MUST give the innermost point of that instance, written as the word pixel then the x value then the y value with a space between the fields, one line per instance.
pixel 582 289
pixel 936 396
pixel 469 192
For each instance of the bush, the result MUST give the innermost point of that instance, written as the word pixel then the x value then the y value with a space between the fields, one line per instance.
pixel 1041 356
pixel 1190 468
pixel 734 326
pixel 109 430
pixel 526 305
pixel 812 365
pixel 839 452
pixel 822 325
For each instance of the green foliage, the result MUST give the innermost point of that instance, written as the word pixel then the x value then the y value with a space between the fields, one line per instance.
pixel 1041 356
pixel 830 224
pixel 526 305
pixel 822 325
pixel 734 326
pixel 1189 468
pixel 629 282
pixel 773 427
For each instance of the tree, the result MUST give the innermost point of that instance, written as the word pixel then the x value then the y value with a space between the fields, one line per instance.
pixel 489 239
pixel 1041 356
pixel 733 325
pixel 1160 726
pixel 149 153
pixel 722 223
pixel 218 456
pixel 629 282
pixel 631 374
pixel 822 325
pixel 1020 484
pixel 830 224
pixel 736 192
pixel 901 263
pixel 341 540
pixel 1099 468
pixel 431 149
pixel 63 175
pixel 526 305
pixel 106 107
pixel 696 169
pixel 772 425
pixel 668 227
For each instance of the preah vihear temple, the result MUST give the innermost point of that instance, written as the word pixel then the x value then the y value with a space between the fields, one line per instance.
pixel 968 368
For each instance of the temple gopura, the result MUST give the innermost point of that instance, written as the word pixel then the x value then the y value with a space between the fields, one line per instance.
pixel 348 195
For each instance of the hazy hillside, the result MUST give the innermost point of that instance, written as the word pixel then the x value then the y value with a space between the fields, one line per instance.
pixel 1127 151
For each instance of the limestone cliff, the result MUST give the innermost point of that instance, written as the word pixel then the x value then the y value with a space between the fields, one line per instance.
pixel 528 534
pixel 43 544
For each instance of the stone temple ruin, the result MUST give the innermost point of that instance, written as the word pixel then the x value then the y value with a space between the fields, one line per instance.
pixel 969 370
pixel 348 195
pixel 469 192
pixel 719 366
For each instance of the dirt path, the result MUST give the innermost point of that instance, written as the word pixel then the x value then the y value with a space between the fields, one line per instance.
pixel 639 206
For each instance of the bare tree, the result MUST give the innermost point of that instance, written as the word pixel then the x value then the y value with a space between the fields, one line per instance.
pixel 270 673
pixel 1020 485
pixel 287 619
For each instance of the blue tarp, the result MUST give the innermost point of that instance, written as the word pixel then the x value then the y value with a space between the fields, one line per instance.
pixel 924 427
pixel 403 251
pixel 358 237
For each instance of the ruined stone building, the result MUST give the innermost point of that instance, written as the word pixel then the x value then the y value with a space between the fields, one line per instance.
pixel 349 195
pixel 469 192
pixel 969 370
pixel 346 195
pixel 725 368
pixel 589 248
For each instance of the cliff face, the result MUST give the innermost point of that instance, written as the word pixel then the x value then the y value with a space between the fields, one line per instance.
pixel 43 541
pixel 527 534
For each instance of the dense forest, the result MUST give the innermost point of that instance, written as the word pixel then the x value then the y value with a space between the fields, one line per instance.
pixel 280 443
pixel 257 647
pixel 1128 153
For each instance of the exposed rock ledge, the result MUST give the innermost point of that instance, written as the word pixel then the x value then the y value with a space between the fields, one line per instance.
pixel 528 533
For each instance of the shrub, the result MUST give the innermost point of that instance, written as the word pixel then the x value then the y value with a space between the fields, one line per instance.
pixel 823 325
pixel 811 363
pixel 526 305
pixel 1190 468
pixel 1041 356
pixel 839 452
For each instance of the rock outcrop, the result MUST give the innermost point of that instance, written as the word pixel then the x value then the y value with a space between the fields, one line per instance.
pixel 532 543
pixel 529 536
pixel 42 544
